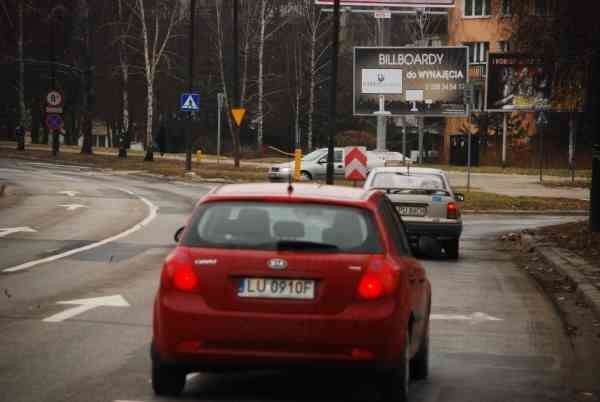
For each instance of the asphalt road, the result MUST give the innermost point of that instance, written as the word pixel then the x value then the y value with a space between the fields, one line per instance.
pixel 495 337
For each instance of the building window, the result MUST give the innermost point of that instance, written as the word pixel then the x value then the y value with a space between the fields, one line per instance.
pixel 478 51
pixel 506 7
pixel 540 7
pixel 504 46
pixel 477 8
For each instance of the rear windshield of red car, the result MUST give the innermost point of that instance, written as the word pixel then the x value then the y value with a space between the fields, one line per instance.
pixel 302 227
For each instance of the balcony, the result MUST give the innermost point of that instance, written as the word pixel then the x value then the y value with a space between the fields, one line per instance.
pixel 477 71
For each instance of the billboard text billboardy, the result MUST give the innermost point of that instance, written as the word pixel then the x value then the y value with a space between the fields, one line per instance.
pixel 414 81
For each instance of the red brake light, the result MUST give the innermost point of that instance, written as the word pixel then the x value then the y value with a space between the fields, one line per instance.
pixel 380 279
pixel 370 286
pixel 453 211
pixel 185 278
pixel 178 272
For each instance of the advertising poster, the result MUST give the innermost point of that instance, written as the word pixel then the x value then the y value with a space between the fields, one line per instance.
pixel 410 81
pixel 516 82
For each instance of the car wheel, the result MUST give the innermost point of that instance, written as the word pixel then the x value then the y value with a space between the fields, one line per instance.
pixel 419 365
pixel 451 247
pixel 395 387
pixel 167 381
pixel 305 176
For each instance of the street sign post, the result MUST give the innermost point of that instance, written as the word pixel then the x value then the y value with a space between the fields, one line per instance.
pixel 54 122
pixel 355 162
pixel 220 103
pixel 189 102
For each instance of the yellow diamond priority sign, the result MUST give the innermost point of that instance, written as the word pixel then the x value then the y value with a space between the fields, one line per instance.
pixel 238 115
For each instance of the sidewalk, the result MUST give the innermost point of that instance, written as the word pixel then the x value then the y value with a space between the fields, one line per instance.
pixel 581 273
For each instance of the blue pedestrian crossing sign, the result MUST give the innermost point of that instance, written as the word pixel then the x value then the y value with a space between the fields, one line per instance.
pixel 190 102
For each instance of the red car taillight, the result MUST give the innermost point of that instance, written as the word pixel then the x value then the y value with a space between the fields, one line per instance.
pixel 453 211
pixel 178 272
pixel 380 279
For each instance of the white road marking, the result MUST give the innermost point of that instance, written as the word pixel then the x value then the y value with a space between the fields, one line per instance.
pixel 151 215
pixel 474 318
pixel 69 193
pixel 84 305
pixel 8 231
pixel 72 207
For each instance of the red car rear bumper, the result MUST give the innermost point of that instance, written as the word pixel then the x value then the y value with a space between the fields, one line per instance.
pixel 188 333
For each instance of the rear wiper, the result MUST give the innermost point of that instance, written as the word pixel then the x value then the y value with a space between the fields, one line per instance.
pixel 304 245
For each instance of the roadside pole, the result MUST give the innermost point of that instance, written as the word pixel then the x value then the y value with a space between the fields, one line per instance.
pixel 236 79
pixel 421 127
pixel 504 137
pixel 381 118
pixel 333 89
pixel 220 101
pixel 542 122
pixel 188 153
pixel 572 131
pixel 592 111
pixel 469 139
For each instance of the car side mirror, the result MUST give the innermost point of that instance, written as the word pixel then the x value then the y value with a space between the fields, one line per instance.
pixel 460 197
pixel 322 161
pixel 178 234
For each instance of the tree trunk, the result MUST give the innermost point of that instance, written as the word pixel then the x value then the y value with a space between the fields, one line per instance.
pixel 149 120
pixel 125 133
pixel 261 72
pixel 88 76
pixel 220 43
pixel 21 64
pixel 311 96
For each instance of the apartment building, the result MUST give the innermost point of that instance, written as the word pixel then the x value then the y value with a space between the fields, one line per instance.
pixel 484 26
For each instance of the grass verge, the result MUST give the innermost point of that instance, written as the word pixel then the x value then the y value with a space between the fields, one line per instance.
pixel 481 201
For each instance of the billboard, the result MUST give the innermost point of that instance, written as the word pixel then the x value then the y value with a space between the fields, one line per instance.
pixel 516 82
pixel 419 81
pixel 388 3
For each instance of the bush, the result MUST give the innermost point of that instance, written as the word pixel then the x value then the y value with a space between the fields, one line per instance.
pixel 358 138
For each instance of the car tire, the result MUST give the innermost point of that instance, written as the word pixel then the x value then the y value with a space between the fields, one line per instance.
pixel 305 176
pixel 396 381
pixel 419 365
pixel 167 381
pixel 452 248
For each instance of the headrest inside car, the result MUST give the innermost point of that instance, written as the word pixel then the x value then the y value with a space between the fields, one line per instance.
pixel 289 229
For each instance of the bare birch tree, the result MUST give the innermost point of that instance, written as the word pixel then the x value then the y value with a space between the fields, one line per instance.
pixel 157 24
pixel 316 27
pixel 124 27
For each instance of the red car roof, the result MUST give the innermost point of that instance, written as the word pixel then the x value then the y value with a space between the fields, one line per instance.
pixel 301 191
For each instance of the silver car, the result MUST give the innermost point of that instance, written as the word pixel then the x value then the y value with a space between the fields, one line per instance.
pixel 426 202
pixel 314 164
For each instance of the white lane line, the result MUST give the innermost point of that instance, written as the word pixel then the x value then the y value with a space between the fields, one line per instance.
pixel 72 207
pixel 8 231
pixel 151 215
pixel 84 305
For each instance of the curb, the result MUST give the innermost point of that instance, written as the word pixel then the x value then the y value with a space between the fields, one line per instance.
pixel 569 265
pixel 526 212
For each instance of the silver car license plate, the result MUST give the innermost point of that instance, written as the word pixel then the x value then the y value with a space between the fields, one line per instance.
pixel 412 211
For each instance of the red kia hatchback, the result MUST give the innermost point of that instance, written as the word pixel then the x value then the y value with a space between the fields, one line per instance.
pixel 266 276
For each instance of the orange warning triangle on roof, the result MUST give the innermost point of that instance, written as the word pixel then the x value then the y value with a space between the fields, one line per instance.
pixel 238 115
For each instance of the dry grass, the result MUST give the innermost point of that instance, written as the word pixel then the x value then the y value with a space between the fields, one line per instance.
pixel 480 201
pixel 167 167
